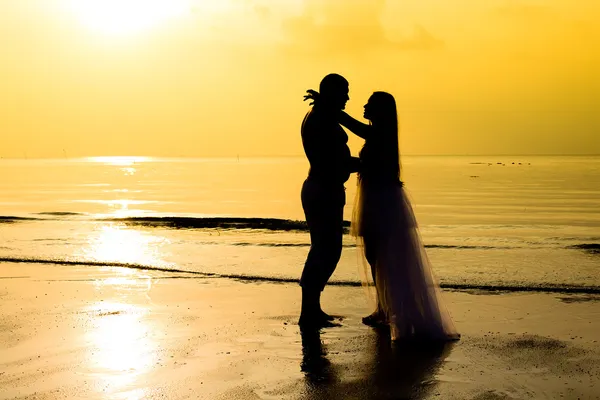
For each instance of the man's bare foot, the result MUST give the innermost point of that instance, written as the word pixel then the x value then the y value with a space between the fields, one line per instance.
pixel 329 317
pixel 316 321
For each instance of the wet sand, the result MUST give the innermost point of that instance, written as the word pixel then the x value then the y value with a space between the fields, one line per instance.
pixel 90 332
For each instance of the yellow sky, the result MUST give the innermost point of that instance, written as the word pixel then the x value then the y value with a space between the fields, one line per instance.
pixel 226 77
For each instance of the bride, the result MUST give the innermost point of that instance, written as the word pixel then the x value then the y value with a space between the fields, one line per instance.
pixel 408 297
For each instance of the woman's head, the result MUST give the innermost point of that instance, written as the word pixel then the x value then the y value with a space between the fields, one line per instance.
pixel 381 109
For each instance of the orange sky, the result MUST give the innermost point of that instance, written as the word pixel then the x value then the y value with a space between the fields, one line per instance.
pixel 226 77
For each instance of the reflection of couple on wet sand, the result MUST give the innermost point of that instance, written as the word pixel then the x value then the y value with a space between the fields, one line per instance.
pixel 408 297
pixel 386 370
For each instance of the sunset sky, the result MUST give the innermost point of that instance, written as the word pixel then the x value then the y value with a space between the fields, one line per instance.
pixel 226 77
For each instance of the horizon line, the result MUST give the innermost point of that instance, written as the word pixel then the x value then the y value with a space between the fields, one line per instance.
pixel 238 156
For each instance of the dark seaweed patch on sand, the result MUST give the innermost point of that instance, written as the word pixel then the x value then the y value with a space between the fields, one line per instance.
pixel 591 248
pixel 534 352
pixel 579 298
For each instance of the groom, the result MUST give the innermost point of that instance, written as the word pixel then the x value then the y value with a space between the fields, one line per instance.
pixel 323 194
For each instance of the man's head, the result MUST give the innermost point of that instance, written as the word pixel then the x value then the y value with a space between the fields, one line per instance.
pixel 334 91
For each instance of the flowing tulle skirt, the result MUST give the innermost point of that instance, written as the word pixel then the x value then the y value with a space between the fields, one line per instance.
pixel 407 292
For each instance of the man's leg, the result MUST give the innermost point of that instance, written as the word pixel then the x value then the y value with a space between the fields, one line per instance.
pixel 332 238
pixel 324 216
pixel 310 279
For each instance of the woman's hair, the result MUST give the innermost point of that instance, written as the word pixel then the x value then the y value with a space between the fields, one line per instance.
pixel 386 123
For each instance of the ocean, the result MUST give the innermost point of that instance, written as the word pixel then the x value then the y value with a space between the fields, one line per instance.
pixel 489 223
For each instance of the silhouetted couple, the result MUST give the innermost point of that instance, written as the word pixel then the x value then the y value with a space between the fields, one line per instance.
pixel 408 298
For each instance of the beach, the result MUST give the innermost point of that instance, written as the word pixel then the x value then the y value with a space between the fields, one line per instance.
pixel 143 278
pixel 116 333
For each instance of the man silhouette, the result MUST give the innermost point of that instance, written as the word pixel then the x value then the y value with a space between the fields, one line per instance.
pixel 323 193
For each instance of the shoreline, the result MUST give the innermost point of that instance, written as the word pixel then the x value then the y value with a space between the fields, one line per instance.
pixel 109 332
pixel 490 289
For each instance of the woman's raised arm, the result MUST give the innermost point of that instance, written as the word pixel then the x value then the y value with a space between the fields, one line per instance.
pixel 358 128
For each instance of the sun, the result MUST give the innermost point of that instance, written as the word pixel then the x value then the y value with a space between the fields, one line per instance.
pixel 121 17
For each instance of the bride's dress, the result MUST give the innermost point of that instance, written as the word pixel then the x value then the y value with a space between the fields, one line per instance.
pixel 387 232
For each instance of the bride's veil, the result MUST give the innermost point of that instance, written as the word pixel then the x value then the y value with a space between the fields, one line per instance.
pixel 364 268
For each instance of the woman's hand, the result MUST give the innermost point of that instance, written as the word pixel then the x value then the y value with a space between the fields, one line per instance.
pixel 312 95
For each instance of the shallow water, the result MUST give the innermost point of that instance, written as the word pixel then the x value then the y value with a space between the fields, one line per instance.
pixel 522 222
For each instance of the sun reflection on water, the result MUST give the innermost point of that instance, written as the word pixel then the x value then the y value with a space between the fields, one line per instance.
pixel 122 348
pixel 119 160
pixel 126 163
pixel 114 242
